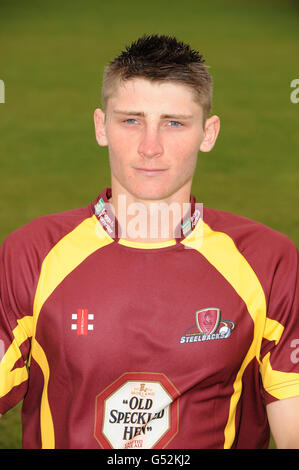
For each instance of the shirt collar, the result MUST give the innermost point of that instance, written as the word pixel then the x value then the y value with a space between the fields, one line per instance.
pixel 104 212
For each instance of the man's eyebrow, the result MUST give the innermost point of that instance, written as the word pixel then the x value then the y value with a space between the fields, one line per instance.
pixel 163 116
pixel 176 116
pixel 128 113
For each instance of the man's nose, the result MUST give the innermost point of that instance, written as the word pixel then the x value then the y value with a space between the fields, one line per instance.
pixel 150 145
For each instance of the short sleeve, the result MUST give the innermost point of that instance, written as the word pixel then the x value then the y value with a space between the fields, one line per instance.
pixel 15 327
pixel 280 347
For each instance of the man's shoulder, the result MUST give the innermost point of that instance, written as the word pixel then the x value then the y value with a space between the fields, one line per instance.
pixel 24 251
pixel 248 234
pixel 43 232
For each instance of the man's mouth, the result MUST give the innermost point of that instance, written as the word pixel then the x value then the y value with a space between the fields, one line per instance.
pixel 150 171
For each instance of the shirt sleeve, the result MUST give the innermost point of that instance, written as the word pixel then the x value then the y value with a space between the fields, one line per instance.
pixel 15 325
pixel 280 347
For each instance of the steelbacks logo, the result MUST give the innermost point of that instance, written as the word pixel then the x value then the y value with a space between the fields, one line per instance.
pixel 209 326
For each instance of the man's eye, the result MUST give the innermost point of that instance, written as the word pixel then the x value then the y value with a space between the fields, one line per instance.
pixel 175 124
pixel 130 121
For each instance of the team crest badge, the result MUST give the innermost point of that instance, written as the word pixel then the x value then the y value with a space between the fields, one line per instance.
pixel 207 320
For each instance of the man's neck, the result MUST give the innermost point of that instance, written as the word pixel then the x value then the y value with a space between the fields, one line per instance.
pixel 150 221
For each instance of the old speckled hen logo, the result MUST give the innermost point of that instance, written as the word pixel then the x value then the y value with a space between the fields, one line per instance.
pixel 138 410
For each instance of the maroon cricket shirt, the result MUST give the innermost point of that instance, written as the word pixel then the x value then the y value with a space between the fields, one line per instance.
pixel 118 344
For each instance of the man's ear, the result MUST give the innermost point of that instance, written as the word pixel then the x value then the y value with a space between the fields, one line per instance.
pixel 211 131
pixel 100 130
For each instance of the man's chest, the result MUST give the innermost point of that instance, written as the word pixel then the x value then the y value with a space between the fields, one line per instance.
pixel 173 313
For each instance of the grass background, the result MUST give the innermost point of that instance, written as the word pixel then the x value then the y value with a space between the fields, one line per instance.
pixel 52 56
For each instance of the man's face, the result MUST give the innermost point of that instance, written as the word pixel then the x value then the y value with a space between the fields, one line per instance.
pixel 154 132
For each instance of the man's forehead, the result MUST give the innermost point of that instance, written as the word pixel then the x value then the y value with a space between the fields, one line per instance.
pixel 138 95
pixel 138 84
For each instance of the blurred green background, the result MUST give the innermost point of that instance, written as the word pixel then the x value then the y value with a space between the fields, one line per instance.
pixel 52 55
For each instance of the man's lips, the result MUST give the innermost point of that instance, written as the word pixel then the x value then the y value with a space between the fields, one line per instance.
pixel 151 171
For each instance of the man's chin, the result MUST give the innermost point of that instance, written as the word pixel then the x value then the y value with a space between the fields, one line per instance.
pixel 150 195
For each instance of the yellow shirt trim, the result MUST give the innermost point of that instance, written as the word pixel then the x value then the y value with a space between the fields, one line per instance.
pixel 146 246
pixel 279 384
pixel 220 250
pixel 10 377
pixel 64 257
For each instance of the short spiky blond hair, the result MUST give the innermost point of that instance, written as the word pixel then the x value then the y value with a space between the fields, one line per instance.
pixel 161 59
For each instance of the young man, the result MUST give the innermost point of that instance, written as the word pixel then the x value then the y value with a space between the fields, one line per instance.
pixel 118 333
